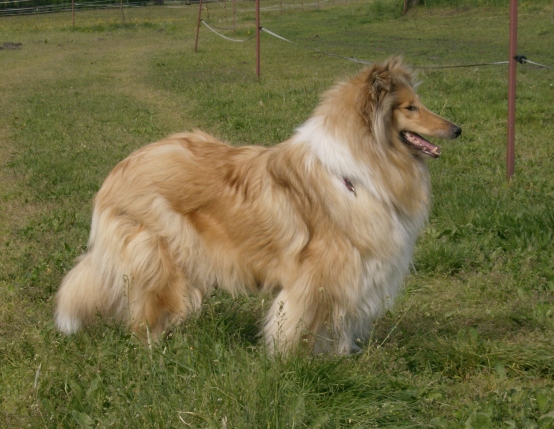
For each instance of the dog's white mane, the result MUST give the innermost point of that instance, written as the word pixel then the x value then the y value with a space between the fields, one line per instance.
pixel 333 153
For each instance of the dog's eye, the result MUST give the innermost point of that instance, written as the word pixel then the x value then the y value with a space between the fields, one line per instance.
pixel 411 108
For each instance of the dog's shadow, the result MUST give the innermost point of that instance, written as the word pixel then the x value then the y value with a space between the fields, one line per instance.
pixel 236 321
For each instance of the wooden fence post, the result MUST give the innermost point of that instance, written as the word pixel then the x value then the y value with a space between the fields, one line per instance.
pixel 510 157
pixel 198 25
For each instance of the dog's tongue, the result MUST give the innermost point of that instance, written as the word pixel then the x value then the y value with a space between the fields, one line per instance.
pixel 420 143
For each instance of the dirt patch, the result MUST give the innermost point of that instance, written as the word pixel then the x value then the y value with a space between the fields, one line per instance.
pixel 11 46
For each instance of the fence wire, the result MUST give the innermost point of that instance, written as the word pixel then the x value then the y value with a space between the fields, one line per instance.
pixel 520 58
pixel 223 36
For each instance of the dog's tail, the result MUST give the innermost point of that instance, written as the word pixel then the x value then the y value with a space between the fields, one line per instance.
pixel 95 286
pixel 79 297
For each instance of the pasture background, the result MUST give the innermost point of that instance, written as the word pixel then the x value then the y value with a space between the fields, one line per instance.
pixel 470 342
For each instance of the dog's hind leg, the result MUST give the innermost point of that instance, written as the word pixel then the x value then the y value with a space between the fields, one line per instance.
pixel 165 306
pixel 160 295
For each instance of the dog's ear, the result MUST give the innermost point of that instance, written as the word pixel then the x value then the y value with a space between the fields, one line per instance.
pixel 379 82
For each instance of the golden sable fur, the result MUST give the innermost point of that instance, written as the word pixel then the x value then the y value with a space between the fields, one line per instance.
pixel 327 219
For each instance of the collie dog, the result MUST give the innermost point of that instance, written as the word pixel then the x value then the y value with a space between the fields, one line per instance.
pixel 327 219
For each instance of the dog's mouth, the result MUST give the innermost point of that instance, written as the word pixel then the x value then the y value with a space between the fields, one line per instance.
pixel 417 142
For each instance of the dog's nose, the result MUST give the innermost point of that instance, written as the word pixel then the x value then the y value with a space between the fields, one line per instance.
pixel 456 131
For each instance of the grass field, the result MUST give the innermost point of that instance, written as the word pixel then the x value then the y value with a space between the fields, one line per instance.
pixel 469 344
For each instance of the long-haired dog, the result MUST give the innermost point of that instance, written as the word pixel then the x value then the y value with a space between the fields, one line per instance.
pixel 328 219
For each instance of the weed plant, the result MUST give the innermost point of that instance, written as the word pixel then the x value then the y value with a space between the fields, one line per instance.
pixel 469 344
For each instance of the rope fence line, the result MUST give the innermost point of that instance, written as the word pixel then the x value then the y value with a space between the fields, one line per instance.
pixel 537 64
pixel 222 28
pixel 313 49
pixel 223 36
pixel 494 63
pixel 259 29
pixel 520 58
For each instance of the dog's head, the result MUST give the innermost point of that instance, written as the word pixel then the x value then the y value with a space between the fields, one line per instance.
pixel 389 104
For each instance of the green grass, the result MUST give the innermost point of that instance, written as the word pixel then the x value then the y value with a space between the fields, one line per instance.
pixel 469 344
